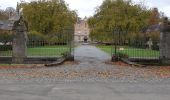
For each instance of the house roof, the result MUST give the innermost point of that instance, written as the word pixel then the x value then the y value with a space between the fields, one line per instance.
pixel 153 28
pixel 8 24
pixel 5 25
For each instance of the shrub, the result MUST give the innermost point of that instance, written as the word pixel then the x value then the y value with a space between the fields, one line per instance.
pixel 5 41
pixel 5 47
pixel 60 39
pixel 36 39
pixel 5 37
pixel 122 55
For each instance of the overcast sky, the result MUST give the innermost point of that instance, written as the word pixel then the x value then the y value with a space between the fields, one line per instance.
pixel 87 7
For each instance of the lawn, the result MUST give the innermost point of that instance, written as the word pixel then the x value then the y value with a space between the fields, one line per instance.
pixel 44 51
pixel 131 52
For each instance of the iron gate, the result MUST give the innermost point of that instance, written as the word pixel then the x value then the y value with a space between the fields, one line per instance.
pixel 142 47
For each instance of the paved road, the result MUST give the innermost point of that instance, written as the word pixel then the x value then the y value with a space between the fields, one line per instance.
pixel 85 91
pixel 90 79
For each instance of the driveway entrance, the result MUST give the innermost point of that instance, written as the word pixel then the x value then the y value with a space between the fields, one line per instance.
pixel 88 52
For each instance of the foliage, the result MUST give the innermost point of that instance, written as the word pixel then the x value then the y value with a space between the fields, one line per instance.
pixel 122 55
pixel 5 41
pixel 5 47
pixel 36 39
pixel 154 17
pixel 8 12
pixel 5 37
pixel 36 36
pixel 61 38
pixel 122 14
pixel 3 15
pixel 48 16
pixel 154 35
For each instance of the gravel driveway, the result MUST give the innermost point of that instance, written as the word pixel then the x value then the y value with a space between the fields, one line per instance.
pixel 90 65
pixel 90 77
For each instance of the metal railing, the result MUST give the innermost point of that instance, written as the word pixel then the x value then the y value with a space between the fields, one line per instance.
pixel 48 46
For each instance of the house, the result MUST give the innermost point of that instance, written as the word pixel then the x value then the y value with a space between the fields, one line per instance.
pixel 6 26
pixel 82 31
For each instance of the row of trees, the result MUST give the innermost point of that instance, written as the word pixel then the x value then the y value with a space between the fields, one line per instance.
pixel 120 15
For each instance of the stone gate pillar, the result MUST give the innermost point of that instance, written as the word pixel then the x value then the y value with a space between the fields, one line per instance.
pixel 19 41
pixel 165 42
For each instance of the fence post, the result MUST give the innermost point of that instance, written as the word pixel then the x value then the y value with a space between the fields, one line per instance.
pixel 19 41
pixel 165 42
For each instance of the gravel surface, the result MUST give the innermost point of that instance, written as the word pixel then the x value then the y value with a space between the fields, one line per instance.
pixel 86 71
pixel 85 68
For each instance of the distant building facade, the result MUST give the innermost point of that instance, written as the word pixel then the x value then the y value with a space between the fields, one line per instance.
pixel 82 31
pixel 7 25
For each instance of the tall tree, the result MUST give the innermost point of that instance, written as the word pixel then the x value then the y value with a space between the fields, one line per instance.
pixel 48 16
pixel 10 11
pixel 154 18
pixel 117 13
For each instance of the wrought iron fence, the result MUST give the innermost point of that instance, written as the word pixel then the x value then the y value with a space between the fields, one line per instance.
pixel 38 45
pixel 137 50
pixel 5 44
pixel 125 45
pixel 5 49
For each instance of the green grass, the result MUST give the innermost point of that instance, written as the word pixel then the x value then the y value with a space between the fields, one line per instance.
pixel 131 52
pixel 47 51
